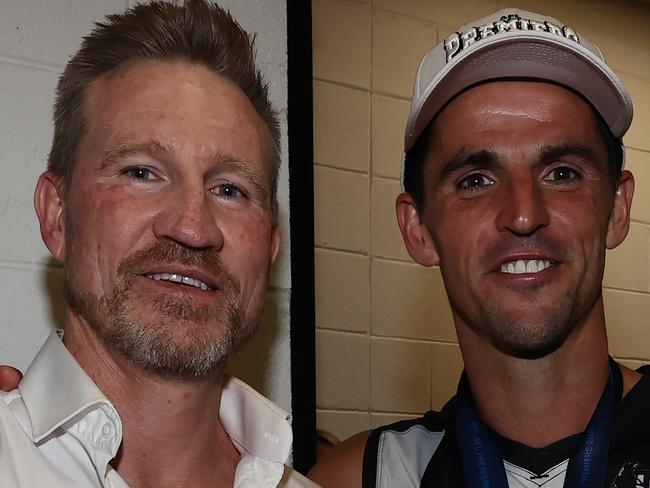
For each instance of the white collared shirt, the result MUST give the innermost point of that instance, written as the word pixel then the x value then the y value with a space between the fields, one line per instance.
pixel 58 430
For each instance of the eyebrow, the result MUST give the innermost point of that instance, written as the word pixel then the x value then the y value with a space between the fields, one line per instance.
pixel 153 147
pixel 253 176
pixel 489 159
pixel 463 159
pixel 548 154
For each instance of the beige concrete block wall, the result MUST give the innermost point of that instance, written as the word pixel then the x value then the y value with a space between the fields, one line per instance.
pixel 386 346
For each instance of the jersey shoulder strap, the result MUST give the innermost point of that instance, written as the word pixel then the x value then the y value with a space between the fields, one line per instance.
pixel 398 454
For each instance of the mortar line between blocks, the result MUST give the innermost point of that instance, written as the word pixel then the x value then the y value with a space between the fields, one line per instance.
pixel 30 265
pixel 33 64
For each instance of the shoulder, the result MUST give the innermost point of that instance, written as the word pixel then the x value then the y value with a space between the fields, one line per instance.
pixel 342 467
pixel 399 453
pixel 293 479
pixel 356 459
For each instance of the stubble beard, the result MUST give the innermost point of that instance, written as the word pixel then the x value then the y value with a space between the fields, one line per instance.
pixel 167 335
pixel 535 335
pixel 531 337
pixel 533 329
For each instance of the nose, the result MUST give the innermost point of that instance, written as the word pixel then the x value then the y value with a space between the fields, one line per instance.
pixel 522 209
pixel 188 218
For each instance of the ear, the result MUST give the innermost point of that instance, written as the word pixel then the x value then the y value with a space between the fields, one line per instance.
pixel 417 238
pixel 275 242
pixel 48 203
pixel 619 218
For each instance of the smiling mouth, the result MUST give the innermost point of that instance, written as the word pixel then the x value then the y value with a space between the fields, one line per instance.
pixel 180 279
pixel 522 266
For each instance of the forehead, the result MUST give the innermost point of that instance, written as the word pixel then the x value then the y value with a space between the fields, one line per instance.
pixel 515 114
pixel 517 122
pixel 185 105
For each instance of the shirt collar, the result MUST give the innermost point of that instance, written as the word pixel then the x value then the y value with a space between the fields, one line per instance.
pixel 255 424
pixel 55 389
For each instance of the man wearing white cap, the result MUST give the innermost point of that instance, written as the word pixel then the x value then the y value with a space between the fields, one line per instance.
pixel 514 185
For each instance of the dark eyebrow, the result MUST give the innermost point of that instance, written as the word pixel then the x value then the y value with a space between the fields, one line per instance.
pixel 152 147
pixel 463 159
pixel 489 160
pixel 549 154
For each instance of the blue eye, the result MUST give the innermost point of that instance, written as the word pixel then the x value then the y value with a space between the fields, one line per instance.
pixel 139 173
pixel 228 190
pixel 474 182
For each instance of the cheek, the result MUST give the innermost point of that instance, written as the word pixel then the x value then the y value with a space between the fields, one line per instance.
pixel 575 219
pixel 248 241
pixel 460 232
pixel 249 230
pixel 105 225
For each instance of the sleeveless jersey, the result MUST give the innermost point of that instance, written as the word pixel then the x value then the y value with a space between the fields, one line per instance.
pixel 424 452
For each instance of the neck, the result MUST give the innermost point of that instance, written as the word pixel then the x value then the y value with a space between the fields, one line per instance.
pixel 172 435
pixel 537 402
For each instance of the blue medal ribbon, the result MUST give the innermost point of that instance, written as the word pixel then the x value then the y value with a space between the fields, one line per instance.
pixel 481 456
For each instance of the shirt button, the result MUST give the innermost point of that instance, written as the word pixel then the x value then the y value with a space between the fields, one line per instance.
pixel 107 429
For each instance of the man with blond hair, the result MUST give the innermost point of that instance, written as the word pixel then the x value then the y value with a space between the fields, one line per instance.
pixel 160 201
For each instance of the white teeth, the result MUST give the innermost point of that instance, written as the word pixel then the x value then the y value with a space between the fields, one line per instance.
pixel 179 278
pixel 520 266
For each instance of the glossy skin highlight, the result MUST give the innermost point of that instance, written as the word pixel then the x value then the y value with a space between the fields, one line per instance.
pixel 524 168
pixel 517 171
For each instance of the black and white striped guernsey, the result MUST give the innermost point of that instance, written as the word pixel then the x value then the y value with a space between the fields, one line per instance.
pixel 424 452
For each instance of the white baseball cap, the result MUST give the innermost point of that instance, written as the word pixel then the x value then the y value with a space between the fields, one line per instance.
pixel 513 43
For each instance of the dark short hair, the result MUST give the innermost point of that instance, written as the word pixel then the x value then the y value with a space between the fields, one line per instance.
pixel 416 156
pixel 197 31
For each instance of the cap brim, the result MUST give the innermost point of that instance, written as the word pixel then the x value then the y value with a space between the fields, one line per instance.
pixel 535 55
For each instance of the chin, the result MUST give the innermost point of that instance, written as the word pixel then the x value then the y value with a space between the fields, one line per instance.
pixel 180 349
pixel 529 350
pixel 530 339
pixel 180 359
pixel 175 338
